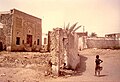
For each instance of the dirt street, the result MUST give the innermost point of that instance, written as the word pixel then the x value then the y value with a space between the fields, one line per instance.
pixel 110 72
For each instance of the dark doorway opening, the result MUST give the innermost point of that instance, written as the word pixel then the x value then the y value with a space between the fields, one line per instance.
pixel 38 41
pixel 1 46
pixel 17 40
pixel 29 40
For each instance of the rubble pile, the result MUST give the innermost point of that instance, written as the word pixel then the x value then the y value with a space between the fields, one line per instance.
pixel 33 60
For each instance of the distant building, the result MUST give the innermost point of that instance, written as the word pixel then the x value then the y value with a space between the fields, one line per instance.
pixel 44 42
pixel 21 31
pixel 80 34
pixel 114 35
pixel 44 38
pixel 82 40
pixel 110 41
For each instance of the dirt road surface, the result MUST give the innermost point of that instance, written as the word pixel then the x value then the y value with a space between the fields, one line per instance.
pixel 110 72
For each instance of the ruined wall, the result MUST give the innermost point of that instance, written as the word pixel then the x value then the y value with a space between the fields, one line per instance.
pixel 6 20
pixel 63 48
pixel 72 53
pixel 28 29
pixel 54 41
pixel 2 39
pixel 102 43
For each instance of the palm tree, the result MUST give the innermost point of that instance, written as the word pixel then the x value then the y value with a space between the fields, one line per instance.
pixel 93 34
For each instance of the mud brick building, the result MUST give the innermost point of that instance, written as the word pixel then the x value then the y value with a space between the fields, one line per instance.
pixel 22 31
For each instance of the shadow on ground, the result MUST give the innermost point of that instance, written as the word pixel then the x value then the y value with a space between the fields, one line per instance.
pixel 81 67
pixel 102 75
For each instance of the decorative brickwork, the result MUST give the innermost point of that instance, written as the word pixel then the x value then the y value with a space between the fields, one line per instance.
pixel 26 27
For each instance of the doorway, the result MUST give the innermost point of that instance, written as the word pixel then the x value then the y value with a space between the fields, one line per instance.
pixel 1 46
pixel 29 40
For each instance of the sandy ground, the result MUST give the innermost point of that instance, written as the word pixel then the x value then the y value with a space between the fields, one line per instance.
pixel 110 72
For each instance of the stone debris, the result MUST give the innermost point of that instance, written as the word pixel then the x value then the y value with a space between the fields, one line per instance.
pixel 3 74
pixel 24 60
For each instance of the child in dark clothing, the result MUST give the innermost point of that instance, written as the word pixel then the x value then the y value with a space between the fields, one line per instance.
pixel 98 68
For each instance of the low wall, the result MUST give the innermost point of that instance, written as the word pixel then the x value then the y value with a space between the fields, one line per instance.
pixel 102 43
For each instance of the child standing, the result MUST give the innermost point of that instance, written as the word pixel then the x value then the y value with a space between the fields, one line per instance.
pixel 98 68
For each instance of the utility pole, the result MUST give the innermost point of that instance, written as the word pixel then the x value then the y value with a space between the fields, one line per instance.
pixel 83 29
pixel 83 37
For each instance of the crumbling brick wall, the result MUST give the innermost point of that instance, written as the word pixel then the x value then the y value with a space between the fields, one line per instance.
pixel 63 48
pixel 6 20
pixel 2 39
pixel 54 41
